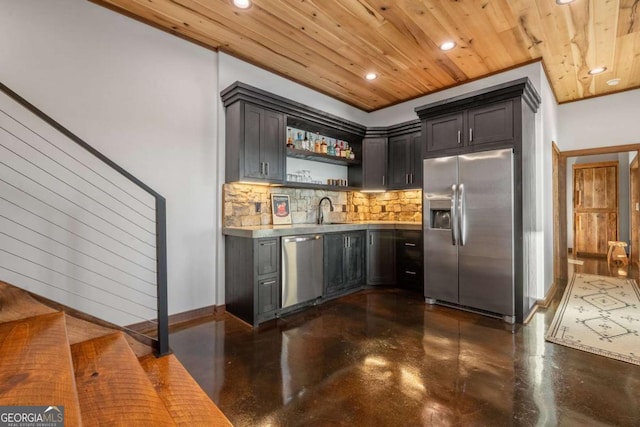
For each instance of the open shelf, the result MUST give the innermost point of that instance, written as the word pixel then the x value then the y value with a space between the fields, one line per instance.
pixel 319 157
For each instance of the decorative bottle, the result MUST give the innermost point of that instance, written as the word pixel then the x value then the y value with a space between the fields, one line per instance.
pixel 298 141
pixel 289 138
pixel 305 142
pixel 331 149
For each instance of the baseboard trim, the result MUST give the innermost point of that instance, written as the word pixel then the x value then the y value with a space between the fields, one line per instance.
pixel 533 311
pixel 544 303
pixel 150 326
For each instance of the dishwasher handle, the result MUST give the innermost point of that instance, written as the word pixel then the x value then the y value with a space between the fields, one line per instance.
pixel 300 239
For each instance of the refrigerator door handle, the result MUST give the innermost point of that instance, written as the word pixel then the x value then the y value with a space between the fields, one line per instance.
pixel 461 215
pixel 454 222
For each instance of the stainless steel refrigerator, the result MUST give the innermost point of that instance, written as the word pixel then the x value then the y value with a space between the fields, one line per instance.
pixel 468 232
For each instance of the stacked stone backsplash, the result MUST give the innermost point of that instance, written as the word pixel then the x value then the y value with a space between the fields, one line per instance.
pixel 246 204
pixel 396 206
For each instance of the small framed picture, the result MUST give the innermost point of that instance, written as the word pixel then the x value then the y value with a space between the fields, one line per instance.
pixel 281 209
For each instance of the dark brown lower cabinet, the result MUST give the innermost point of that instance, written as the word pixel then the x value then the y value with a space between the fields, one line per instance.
pixel 252 278
pixel 381 254
pixel 409 260
pixel 344 262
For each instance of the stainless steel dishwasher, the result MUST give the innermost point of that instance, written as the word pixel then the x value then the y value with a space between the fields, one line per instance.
pixel 302 264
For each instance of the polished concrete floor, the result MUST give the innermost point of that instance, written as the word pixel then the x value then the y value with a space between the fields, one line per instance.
pixel 384 358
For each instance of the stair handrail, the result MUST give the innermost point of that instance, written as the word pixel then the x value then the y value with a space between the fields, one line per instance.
pixel 162 340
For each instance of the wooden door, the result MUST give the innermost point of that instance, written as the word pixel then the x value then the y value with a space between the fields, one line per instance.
pixel 595 207
pixel 634 191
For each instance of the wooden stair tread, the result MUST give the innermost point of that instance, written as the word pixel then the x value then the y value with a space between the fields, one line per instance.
pixel 187 403
pixel 113 388
pixel 16 303
pixel 36 367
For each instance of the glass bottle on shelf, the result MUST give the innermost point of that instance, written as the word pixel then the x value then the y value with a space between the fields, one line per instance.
pixel 298 141
pixel 289 138
pixel 323 146
pixel 331 149
pixel 305 142
pixel 337 149
pixel 317 147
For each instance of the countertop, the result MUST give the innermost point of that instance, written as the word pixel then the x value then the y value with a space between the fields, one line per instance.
pixel 260 231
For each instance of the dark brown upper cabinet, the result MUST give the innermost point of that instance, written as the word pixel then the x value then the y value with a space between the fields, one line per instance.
pixel 487 119
pixel 374 163
pixel 255 143
pixel 486 125
pixel 256 122
pixel 405 161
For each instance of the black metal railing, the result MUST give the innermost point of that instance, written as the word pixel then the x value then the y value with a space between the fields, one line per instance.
pixel 161 340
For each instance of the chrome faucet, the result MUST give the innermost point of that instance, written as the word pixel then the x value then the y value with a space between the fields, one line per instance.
pixel 320 219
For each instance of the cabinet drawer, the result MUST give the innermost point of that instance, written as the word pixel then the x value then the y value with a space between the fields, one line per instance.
pixel 409 274
pixel 409 239
pixel 267 256
pixel 268 295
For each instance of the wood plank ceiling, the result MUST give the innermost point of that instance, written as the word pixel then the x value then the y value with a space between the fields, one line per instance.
pixel 329 45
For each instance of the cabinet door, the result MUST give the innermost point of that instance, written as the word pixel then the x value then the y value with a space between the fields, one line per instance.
pixel 400 161
pixel 333 258
pixel 267 259
pixel 253 165
pixel 445 132
pixel 416 160
pixel 272 144
pixel 381 255
pixel 374 163
pixel 268 295
pixel 354 259
pixel 491 124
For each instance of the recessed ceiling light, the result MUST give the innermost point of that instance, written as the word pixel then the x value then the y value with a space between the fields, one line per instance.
pixel 613 82
pixel 597 70
pixel 242 4
pixel 447 45
pixel 561 2
pixel 371 76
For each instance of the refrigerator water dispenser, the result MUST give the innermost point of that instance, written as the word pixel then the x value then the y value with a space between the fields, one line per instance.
pixel 440 214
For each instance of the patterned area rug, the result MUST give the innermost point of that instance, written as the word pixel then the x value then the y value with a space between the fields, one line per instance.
pixel 600 315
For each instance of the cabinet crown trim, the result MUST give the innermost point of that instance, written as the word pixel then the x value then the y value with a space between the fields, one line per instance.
pixel 239 91
pixel 516 88
pixel 412 126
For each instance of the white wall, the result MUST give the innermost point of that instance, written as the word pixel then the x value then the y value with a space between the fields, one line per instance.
pixel 599 122
pixel 233 69
pixel 549 118
pixel 605 121
pixel 144 98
